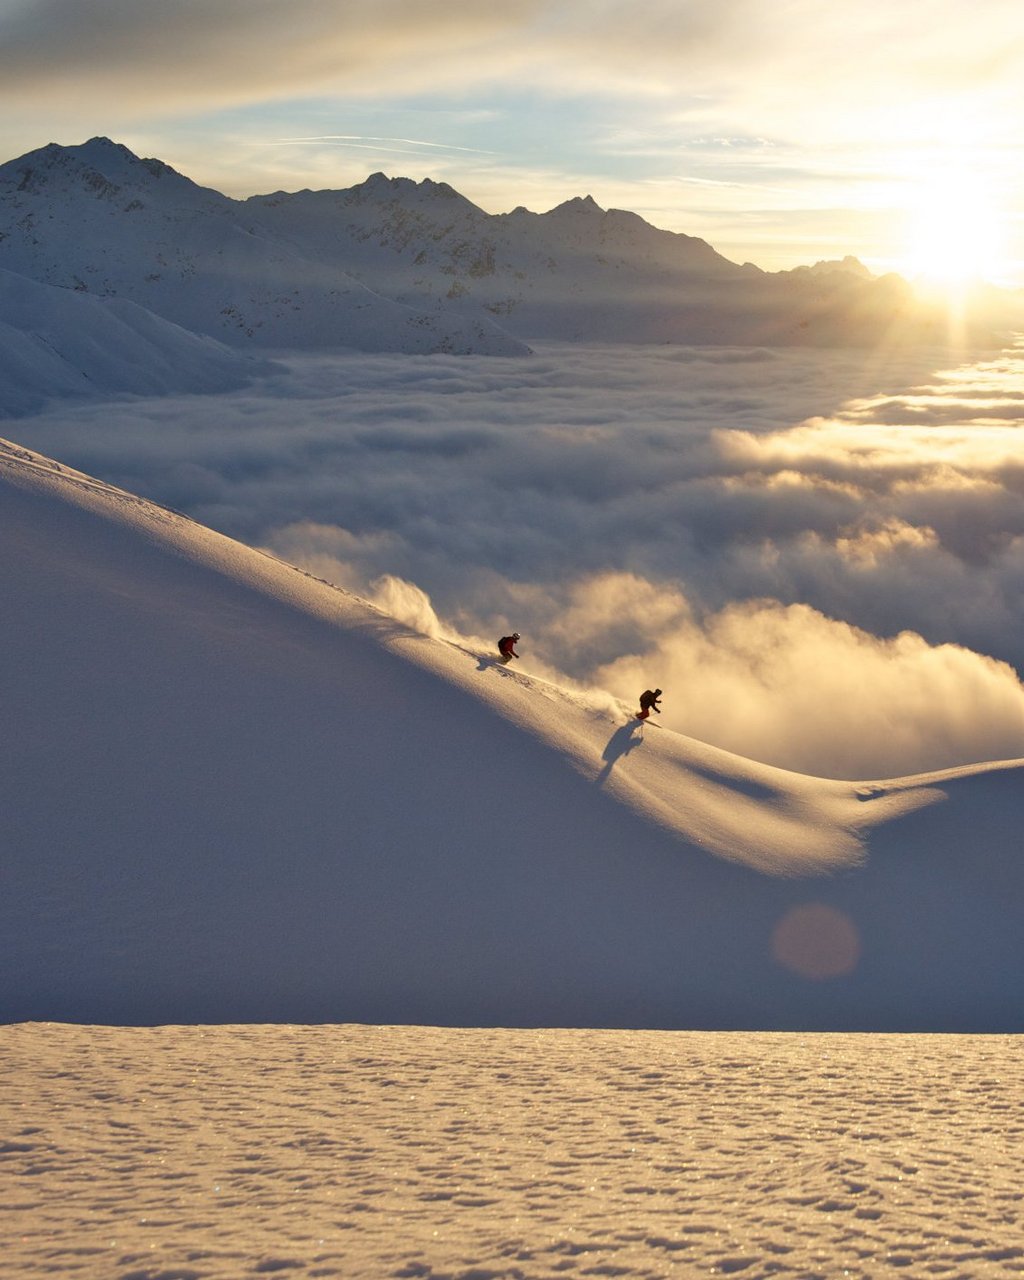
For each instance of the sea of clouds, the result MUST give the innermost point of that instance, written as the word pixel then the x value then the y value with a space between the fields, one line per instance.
pixel 817 555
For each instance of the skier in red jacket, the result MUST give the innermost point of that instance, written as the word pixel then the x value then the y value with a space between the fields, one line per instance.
pixel 648 703
pixel 507 646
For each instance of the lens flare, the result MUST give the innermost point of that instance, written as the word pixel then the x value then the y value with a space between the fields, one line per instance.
pixel 817 942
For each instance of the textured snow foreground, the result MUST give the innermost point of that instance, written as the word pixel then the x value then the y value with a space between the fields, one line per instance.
pixel 186 1153
pixel 232 793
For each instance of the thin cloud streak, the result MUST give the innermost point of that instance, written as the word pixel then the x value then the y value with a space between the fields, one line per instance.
pixel 412 142
pixel 199 55
pixel 381 150
pixel 737 51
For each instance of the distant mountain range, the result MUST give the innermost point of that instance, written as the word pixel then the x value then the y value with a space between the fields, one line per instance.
pixel 97 219
pixel 397 265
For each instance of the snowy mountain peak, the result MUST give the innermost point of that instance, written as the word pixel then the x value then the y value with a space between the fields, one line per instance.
pixel 101 150
pixel 39 170
pixel 578 204
pixel 101 168
pixel 381 184
pixel 107 155
pixel 98 153
pixel 381 189
pixel 848 265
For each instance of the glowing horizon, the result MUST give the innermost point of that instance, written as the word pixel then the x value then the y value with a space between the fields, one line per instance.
pixel 782 137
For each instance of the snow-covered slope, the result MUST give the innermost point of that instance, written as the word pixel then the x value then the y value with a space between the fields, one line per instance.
pixel 232 792
pixel 217 1153
pixel 61 343
pixel 97 218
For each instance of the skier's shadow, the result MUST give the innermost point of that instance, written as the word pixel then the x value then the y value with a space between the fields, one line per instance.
pixel 485 662
pixel 621 743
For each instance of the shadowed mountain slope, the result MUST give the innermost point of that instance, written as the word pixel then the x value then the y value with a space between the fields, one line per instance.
pixel 60 343
pixel 232 792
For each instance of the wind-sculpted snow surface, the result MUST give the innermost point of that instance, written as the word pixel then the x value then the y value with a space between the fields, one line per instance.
pixel 233 793
pixel 215 1153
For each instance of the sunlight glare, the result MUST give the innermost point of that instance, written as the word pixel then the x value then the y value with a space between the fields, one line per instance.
pixel 954 233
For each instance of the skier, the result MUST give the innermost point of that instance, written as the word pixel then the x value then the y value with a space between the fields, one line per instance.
pixel 506 646
pixel 648 703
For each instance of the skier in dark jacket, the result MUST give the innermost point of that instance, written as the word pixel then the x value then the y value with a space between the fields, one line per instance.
pixel 507 646
pixel 648 703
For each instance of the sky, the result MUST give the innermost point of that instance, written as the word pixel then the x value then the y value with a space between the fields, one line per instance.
pixel 818 555
pixel 782 134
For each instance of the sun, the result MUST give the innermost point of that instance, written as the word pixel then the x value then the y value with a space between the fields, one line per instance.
pixel 954 234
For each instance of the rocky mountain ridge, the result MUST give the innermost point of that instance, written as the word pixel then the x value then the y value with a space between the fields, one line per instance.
pixel 98 219
pixel 394 264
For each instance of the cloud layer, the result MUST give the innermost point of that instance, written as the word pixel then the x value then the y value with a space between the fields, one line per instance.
pixel 200 53
pixel 197 54
pixel 820 561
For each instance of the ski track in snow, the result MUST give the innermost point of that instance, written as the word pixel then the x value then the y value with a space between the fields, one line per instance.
pixel 176 1153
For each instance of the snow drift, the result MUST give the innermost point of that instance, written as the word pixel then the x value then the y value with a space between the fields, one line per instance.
pixel 232 792
pixel 216 1153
